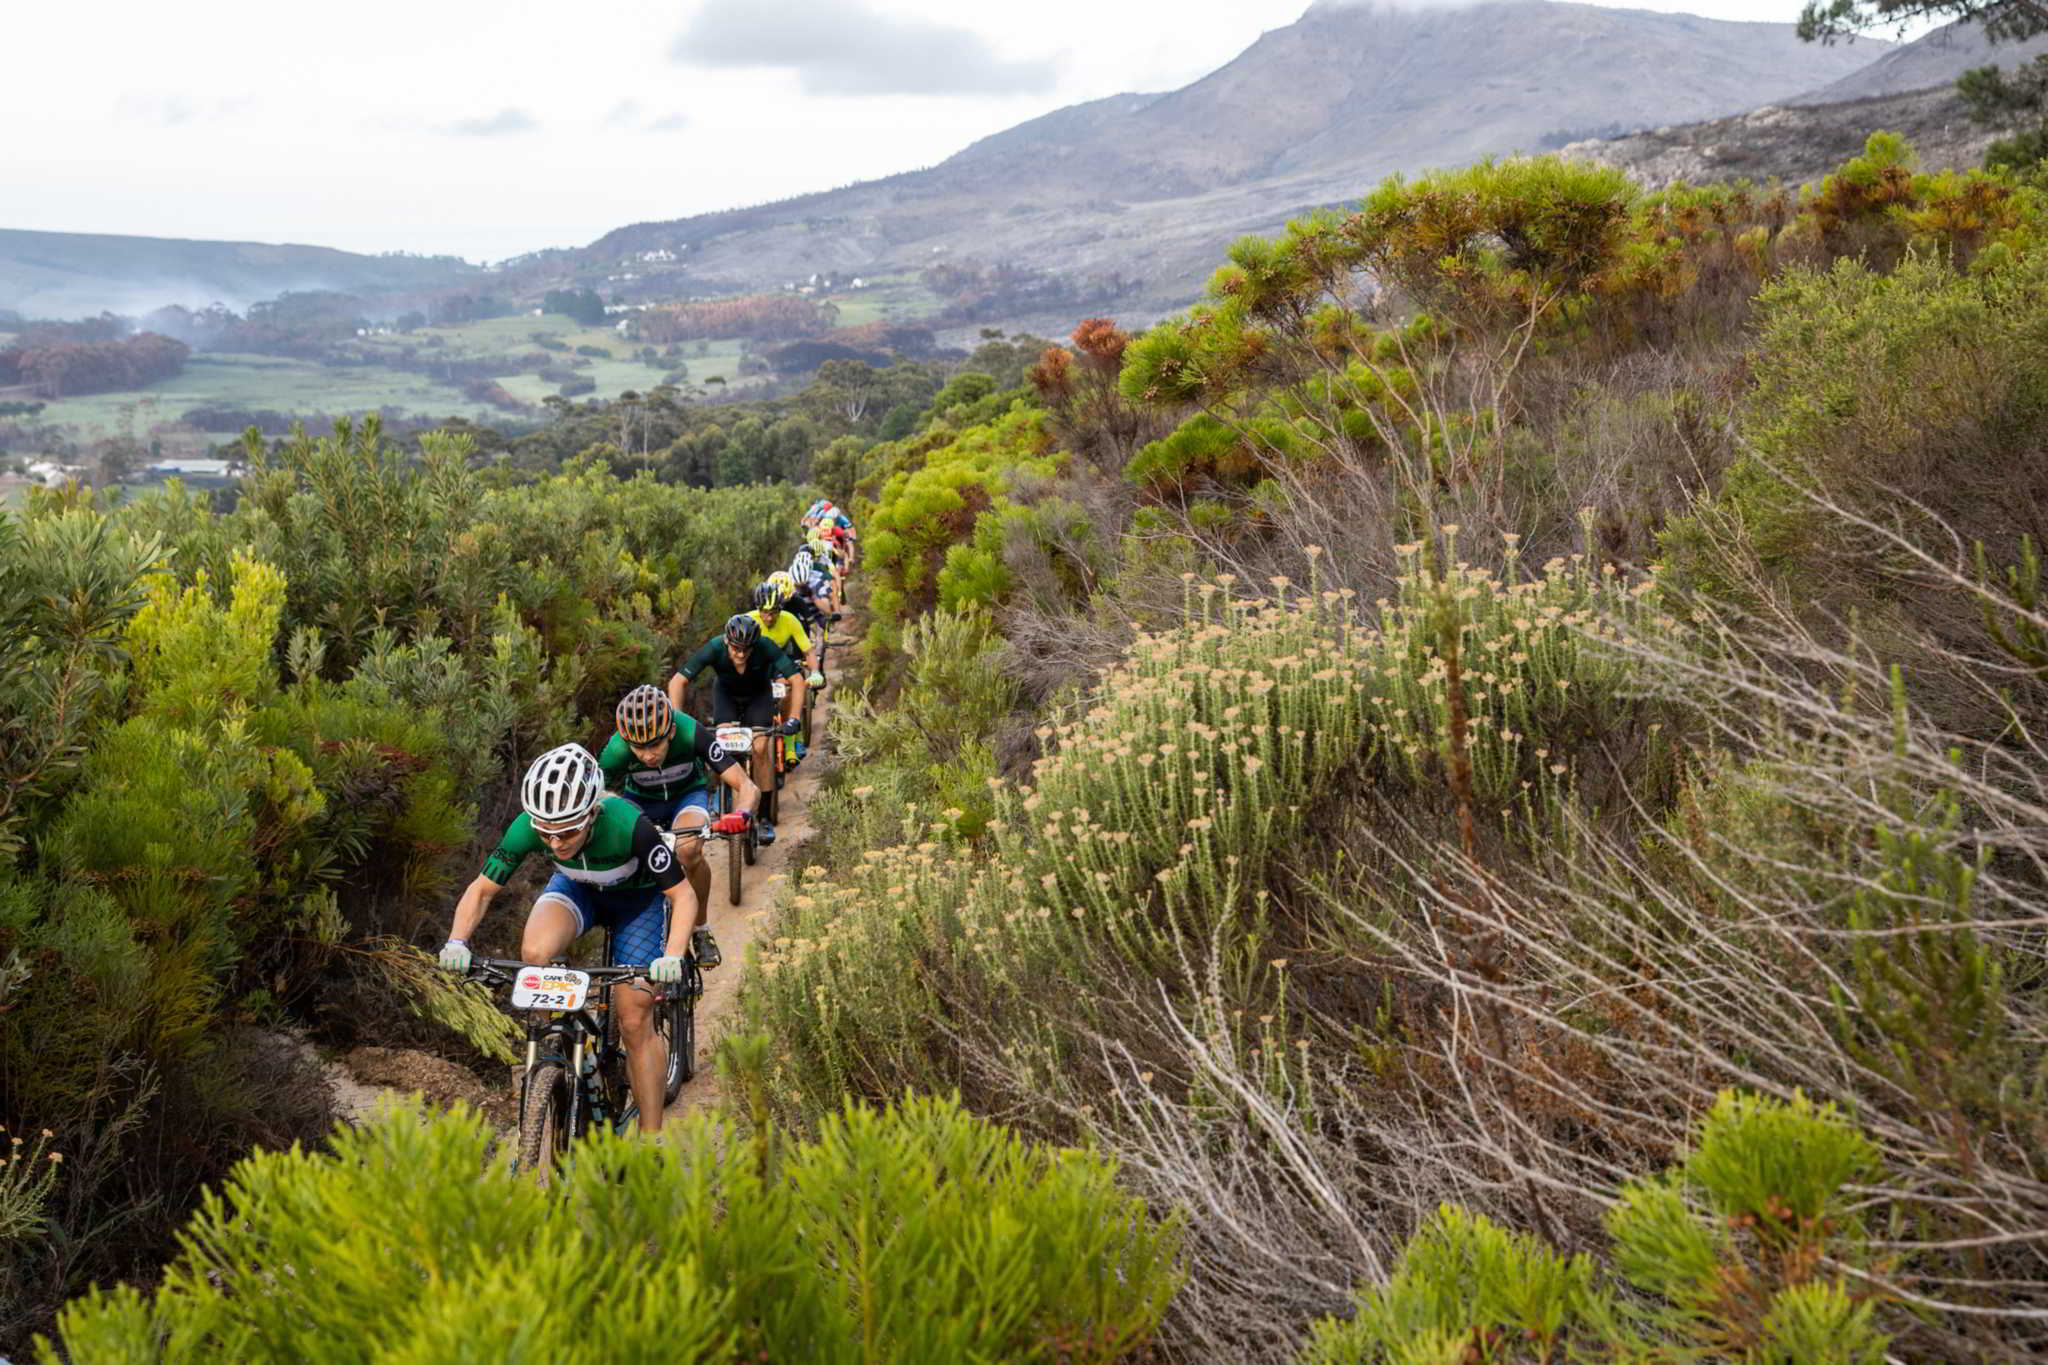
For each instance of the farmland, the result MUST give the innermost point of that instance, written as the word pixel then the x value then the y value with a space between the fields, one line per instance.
pixel 407 381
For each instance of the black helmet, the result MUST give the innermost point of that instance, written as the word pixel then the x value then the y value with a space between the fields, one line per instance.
pixel 741 631
pixel 769 597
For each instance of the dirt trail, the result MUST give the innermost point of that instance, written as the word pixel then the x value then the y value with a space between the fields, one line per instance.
pixel 362 1079
pixel 736 926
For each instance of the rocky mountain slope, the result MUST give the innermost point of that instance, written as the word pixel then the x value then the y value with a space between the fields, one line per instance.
pixel 1937 58
pixel 77 274
pixel 1794 143
pixel 1909 90
pixel 1312 113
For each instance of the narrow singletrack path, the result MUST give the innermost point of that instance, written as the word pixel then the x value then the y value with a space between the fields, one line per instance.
pixel 361 1081
pixel 736 926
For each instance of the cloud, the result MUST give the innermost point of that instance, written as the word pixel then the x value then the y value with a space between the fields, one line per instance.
pixel 841 47
pixel 632 116
pixel 175 111
pixel 501 124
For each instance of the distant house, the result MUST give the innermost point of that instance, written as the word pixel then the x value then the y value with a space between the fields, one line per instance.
pixel 199 473
pixel 51 474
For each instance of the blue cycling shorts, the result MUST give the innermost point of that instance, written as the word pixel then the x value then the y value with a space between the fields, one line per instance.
pixel 638 919
pixel 662 812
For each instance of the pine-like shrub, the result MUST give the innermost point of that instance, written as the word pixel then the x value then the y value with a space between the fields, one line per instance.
pixel 915 1234
pixel 1734 1254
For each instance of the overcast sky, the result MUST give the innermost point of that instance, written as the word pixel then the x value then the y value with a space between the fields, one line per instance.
pixel 484 128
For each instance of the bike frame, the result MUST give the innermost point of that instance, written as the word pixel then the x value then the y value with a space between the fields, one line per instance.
pixel 583 1038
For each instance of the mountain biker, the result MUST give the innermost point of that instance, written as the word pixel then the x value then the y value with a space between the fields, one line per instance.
pixel 744 666
pixel 781 626
pixel 810 568
pixel 799 603
pixel 840 538
pixel 611 869
pixel 657 760
pixel 836 526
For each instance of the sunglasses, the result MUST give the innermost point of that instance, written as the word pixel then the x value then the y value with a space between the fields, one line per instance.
pixel 561 836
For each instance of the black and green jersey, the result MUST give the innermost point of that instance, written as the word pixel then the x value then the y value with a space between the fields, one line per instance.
pixel 623 853
pixel 765 663
pixel 680 768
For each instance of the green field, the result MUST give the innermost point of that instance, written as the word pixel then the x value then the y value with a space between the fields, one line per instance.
pixel 256 381
pixel 303 387
pixel 888 298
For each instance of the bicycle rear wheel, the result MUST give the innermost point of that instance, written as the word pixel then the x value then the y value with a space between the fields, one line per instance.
pixel 544 1119
pixel 771 800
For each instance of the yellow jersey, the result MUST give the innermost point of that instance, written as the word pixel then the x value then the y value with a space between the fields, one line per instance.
pixel 787 632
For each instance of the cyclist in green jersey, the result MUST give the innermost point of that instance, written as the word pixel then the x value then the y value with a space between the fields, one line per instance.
pixel 744 667
pixel 657 759
pixel 612 870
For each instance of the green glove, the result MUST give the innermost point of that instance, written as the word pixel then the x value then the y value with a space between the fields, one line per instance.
pixel 455 956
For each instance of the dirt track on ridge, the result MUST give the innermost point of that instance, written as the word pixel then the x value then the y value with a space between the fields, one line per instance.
pixel 361 1079
pixel 736 926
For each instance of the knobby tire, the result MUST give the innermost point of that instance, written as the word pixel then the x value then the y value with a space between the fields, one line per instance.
pixel 544 1119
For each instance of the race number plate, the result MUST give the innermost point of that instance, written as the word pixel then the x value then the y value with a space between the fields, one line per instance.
pixel 549 988
pixel 779 688
pixel 735 739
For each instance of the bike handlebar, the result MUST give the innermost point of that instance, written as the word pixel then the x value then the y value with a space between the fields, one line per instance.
pixel 500 970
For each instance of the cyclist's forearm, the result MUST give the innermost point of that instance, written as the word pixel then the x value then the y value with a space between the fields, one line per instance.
pixel 747 794
pixel 676 685
pixel 682 918
pixel 469 911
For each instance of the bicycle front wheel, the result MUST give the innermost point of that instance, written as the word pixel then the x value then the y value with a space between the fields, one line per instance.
pixel 544 1119
pixel 676 1021
pixel 735 866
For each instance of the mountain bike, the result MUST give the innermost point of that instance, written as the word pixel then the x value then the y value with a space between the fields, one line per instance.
pixel 811 693
pixel 740 849
pixel 778 747
pixel 574 1081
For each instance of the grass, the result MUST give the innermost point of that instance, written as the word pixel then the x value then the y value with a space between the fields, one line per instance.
pixel 254 381
pixel 888 298
pixel 300 387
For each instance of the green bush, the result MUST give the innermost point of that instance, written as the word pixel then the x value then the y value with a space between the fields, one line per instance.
pixel 229 796
pixel 1732 1255
pixel 916 1234
pixel 1913 397
pixel 926 522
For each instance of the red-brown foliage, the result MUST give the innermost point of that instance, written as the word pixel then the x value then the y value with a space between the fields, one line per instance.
pixel 757 317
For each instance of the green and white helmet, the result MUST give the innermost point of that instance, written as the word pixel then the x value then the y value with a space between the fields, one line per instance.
pixel 562 787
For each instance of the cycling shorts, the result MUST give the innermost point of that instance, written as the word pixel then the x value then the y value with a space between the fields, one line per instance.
pixel 638 919
pixel 727 709
pixel 661 811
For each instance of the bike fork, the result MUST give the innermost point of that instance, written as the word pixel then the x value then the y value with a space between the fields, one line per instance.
pixel 576 1105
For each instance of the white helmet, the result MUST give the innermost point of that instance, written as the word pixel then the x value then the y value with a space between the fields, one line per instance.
pixel 563 786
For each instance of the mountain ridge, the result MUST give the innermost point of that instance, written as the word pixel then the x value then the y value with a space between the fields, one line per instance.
pixel 1311 113
pixel 77 274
